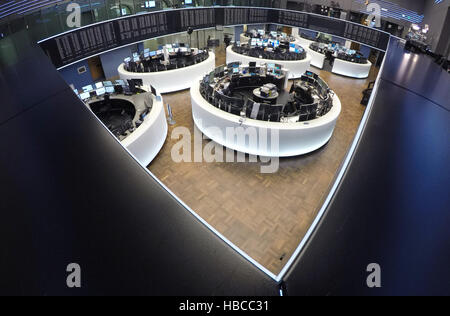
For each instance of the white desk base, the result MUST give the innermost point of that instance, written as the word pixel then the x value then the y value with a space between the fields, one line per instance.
pixel 172 80
pixel 148 139
pixel 352 70
pixel 296 68
pixel 293 138
pixel 317 59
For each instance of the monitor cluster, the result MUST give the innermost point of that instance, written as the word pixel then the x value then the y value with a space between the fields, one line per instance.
pixel 335 50
pixel 270 49
pixel 273 35
pixel 103 88
pixel 230 89
pixel 168 57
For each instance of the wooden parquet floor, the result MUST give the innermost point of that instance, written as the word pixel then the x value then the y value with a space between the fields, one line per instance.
pixel 266 215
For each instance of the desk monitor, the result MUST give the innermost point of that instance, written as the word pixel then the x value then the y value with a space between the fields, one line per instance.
pixel 261 32
pixel 146 55
pixel 136 59
pixel 159 52
pixel 85 96
pixel 252 64
pixel 152 54
pixel 88 88
pixel 253 42
pixel 278 66
pixel 170 50
pixel 168 45
pixel 273 33
pixel 292 49
pixel 187 1
pixel 236 70
pixel 150 4
pixel 100 91
pixel 147 50
pixel 99 85
pixel 127 60
pixel 107 84
pixel 110 89
pixel 120 82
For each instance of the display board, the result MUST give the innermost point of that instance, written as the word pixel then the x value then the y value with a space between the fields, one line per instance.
pixel 92 40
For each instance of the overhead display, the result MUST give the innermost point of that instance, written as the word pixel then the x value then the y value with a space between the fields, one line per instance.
pixel 93 40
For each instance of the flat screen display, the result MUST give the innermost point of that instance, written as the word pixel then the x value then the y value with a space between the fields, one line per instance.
pixel 85 96
pixel 120 82
pixel 100 92
pixel 88 88
pixel 152 54
pixel 109 89
pixel 107 84
pixel 99 85
pixel 187 1
pixel 150 4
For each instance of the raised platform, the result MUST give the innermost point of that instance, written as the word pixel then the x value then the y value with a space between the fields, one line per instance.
pixel 172 80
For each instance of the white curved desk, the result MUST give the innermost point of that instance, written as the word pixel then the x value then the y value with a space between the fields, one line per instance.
pixel 172 80
pixel 294 138
pixel 317 59
pixel 296 68
pixel 353 70
pixel 148 139
pixel 303 41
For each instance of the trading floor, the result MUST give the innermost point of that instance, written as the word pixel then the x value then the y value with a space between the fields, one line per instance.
pixel 266 215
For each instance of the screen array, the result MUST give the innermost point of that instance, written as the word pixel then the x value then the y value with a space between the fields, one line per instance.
pixel 70 47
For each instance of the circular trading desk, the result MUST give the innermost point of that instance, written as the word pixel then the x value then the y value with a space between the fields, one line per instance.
pixel 296 67
pixel 287 138
pixel 171 80
pixel 245 39
pixel 317 59
pixel 350 69
pixel 147 139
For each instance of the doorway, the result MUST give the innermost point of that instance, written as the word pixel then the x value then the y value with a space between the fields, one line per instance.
pixel 97 72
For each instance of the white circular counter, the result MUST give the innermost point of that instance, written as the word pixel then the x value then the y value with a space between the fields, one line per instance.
pixel 293 139
pixel 172 80
pixel 303 41
pixel 317 59
pixel 353 70
pixel 148 139
pixel 296 68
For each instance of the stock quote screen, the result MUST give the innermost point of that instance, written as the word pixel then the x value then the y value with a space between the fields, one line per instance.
pixel 89 41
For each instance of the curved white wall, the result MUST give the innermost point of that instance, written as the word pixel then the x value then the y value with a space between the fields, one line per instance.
pixel 317 59
pixel 353 70
pixel 147 140
pixel 172 80
pixel 293 138
pixel 296 68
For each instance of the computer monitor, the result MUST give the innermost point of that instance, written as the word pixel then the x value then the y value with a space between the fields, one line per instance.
pixel 110 89
pixel 187 1
pixel 100 91
pixel 252 64
pixel 273 33
pixel 152 54
pixel 261 32
pixel 159 52
pixel 107 84
pixel 170 50
pixel 169 46
pixel 150 4
pixel 292 49
pixel 88 88
pixel 127 60
pixel 236 70
pixel 292 45
pixel 99 85
pixel 270 66
pixel 147 50
pixel 253 42
pixel 120 82
pixel 85 95
pixel 136 59
pixel 146 55
pixel 135 54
